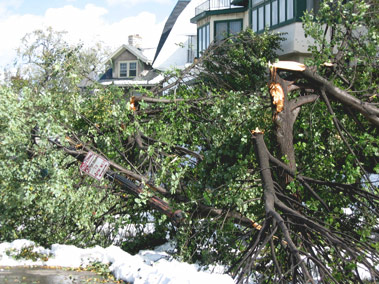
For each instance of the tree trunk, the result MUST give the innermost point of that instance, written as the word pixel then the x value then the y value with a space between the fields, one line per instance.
pixel 284 118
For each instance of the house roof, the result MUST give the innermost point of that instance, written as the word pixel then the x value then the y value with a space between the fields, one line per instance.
pixel 226 11
pixel 146 78
pixel 133 50
pixel 88 80
pixel 179 7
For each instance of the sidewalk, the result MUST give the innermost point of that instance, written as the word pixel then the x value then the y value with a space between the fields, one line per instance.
pixel 38 275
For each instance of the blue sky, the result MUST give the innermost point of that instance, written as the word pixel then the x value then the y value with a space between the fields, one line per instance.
pixel 89 21
pixel 118 9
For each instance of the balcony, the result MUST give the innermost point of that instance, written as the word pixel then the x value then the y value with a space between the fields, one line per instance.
pixel 211 5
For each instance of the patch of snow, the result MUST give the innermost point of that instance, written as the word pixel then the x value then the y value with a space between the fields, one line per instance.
pixel 167 247
pixel 148 266
pixel 127 231
pixel 153 81
pixel 347 211
pixel 363 272
pixel 374 178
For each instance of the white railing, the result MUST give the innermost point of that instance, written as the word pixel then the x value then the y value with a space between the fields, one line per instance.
pixel 213 5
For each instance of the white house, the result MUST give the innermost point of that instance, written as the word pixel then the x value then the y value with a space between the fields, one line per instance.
pixel 178 44
pixel 216 19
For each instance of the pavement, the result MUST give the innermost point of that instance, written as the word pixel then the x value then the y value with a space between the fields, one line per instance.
pixel 40 275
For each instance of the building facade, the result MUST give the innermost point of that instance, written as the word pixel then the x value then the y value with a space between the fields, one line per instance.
pixel 217 19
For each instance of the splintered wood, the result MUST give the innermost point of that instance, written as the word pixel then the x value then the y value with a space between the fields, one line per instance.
pixel 288 65
pixel 257 131
pixel 276 90
pixel 133 103
pixel 277 94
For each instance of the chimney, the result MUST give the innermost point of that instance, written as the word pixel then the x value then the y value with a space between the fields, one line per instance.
pixel 135 40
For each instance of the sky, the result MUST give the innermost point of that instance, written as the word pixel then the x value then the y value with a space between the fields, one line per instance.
pixel 88 21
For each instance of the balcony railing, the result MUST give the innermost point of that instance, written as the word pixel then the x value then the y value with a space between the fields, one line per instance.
pixel 213 5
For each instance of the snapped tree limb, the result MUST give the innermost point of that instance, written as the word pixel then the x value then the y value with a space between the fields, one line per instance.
pixel 177 216
pixel 157 203
pixel 368 110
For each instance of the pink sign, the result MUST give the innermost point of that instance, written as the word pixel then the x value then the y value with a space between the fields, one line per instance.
pixel 94 165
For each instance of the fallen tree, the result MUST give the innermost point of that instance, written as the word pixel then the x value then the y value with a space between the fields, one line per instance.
pixel 301 233
pixel 298 203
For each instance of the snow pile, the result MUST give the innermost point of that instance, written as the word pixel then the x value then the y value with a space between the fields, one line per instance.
pixel 146 267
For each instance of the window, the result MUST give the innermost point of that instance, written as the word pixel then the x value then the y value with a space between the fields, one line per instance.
pixel 260 18
pixel 313 5
pixel 289 9
pixel 123 69
pixel 221 30
pixel 256 2
pixel 203 35
pixel 191 50
pixel 235 27
pixel 224 29
pixel 267 15
pixel 274 12
pixel 270 13
pixel 128 69
pixel 132 69
pixel 282 11
pixel 254 18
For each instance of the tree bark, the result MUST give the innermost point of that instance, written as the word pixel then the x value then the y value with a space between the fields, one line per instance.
pixel 270 200
pixel 284 120
pixel 366 109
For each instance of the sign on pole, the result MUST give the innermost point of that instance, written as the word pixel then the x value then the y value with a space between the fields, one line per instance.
pixel 94 165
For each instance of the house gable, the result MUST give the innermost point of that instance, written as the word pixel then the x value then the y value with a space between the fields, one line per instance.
pixel 129 68
pixel 128 62
pixel 127 65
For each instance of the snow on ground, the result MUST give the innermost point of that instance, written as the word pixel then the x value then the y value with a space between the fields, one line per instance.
pixel 148 266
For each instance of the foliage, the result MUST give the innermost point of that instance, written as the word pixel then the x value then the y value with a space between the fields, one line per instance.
pixel 345 34
pixel 27 252
pixel 46 58
pixel 43 196
pixel 239 63
pixel 102 270
pixel 144 241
